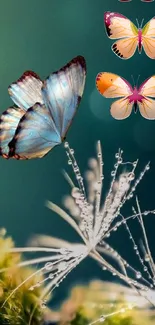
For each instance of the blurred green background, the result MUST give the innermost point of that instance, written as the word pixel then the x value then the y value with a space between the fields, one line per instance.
pixel 43 36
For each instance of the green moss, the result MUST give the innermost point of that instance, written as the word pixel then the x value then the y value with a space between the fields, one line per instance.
pixel 18 308
pixel 79 320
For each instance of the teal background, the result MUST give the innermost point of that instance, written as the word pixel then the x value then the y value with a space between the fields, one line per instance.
pixel 44 36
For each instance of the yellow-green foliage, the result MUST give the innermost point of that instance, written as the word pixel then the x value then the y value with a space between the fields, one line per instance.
pixel 19 306
pixel 87 303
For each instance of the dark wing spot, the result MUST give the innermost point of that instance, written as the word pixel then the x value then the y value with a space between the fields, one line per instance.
pixel 108 30
pixel 116 51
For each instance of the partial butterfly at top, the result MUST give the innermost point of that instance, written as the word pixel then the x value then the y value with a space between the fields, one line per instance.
pixel 44 111
pixel 130 37
pixel 131 0
pixel 111 85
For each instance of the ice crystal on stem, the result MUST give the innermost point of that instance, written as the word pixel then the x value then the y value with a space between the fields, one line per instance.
pixel 94 218
pixel 106 217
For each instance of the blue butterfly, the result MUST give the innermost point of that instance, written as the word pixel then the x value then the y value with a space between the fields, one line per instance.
pixel 44 112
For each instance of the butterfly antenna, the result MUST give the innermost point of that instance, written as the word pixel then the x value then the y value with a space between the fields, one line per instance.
pixel 133 80
pixel 137 22
pixel 141 25
pixel 137 80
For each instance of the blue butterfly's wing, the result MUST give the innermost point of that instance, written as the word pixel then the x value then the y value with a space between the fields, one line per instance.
pixel 26 91
pixel 45 126
pixel 8 123
pixel 62 92
pixel 36 134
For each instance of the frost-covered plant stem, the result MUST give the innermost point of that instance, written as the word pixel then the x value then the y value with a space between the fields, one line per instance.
pixel 94 219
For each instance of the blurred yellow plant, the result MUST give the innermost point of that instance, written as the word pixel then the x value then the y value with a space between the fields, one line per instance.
pixel 87 303
pixel 19 307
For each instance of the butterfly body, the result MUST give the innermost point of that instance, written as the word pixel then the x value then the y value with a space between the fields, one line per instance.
pixel 135 97
pixel 140 40
pixel 111 85
pixel 129 36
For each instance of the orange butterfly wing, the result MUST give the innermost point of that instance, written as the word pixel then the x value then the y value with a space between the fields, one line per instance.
pixel 147 105
pixel 111 85
pixel 148 38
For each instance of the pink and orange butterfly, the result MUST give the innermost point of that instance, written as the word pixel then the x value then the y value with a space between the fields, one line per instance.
pixel 129 36
pixel 111 85
pixel 131 0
